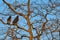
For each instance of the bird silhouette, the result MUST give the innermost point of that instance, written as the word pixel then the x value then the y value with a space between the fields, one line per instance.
pixel 9 20
pixel 15 20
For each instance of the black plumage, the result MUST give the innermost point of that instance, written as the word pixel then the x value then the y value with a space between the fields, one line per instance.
pixel 9 20
pixel 15 20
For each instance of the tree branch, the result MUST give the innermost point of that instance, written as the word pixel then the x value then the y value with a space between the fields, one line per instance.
pixel 21 14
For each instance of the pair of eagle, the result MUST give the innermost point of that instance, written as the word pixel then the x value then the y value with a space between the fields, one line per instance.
pixel 14 21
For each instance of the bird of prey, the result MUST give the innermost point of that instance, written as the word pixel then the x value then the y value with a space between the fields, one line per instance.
pixel 15 20
pixel 9 20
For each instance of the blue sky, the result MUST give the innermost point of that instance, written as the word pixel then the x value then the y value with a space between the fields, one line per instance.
pixel 22 22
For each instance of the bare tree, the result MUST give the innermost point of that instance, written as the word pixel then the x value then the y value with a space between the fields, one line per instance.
pixel 42 20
